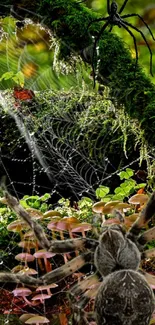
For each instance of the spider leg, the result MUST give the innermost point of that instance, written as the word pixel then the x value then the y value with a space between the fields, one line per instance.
pixel 96 20
pixel 145 215
pixel 123 6
pixel 108 6
pixel 136 15
pixel 144 38
pixel 86 290
pixel 148 253
pixel 94 47
pixel 134 39
pixel 146 236
pixel 149 277
pixel 67 269
pixel 20 278
pixel 80 288
pixel 71 245
pixel 111 28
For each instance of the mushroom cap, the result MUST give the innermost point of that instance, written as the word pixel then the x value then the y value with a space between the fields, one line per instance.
pixel 29 234
pixel 48 286
pixel 51 213
pixel 66 223
pixel 3 200
pixel 81 227
pixel 109 206
pixel 122 205
pixel 98 207
pixel 41 296
pixel 28 271
pixel 53 224
pixel 37 320
pixel 34 213
pixel 17 226
pixel 43 253
pixel 24 257
pixel 138 199
pixel 23 318
pixel 17 268
pixel 22 292
pixel 62 224
pixel 27 244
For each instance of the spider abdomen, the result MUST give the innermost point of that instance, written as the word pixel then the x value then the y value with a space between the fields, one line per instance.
pixel 124 298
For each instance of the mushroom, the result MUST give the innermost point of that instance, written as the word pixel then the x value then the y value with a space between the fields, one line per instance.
pixel 34 213
pixel 37 320
pixel 25 317
pixel 140 199
pixel 51 213
pixel 52 226
pixel 41 297
pixel 28 271
pixel 98 207
pixel 29 234
pixel 24 257
pixel 42 253
pixel 64 224
pixel 17 268
pixel 47 287
pixel 110 206
pixel 17 226
pixel 22 292
pixel 27 245
pixel 3 200
pixel 104 208
pixel 82 227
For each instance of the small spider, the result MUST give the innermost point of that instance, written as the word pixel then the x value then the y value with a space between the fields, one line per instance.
pixel 113 19
pixel 123 297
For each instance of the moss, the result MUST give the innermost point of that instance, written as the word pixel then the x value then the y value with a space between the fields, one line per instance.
pixel 132 89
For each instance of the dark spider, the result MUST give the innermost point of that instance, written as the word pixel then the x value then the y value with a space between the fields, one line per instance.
pixel 113 19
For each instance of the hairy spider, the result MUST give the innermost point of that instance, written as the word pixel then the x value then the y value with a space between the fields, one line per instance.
pixel 123 297
pixel 113 19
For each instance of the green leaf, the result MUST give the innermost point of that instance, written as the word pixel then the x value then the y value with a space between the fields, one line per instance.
pixel 19 78
pixel 85 202
pixel 44 207
pixel 128 183
pixel 142 185
pixel 24 204
pixel 45 197
pixel 126 174
pixel 7 75
pixel 102 191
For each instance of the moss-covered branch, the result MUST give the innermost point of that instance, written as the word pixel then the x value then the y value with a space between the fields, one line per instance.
pixel 69 20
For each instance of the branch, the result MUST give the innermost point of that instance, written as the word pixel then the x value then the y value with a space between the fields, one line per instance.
pixel 37 229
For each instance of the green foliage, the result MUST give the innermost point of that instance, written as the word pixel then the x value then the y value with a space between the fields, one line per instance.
pixel 36 202
pixel 122 192
pixel 18 77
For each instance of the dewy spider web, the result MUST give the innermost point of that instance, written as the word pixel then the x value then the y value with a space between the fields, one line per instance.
pixel 64 161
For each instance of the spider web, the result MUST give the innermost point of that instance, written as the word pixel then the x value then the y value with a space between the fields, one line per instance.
pixel 63 162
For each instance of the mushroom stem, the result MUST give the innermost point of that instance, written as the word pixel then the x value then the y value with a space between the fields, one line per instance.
pixel 27 301
pixel 48 266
